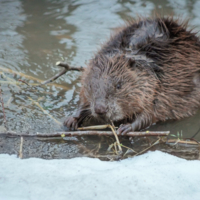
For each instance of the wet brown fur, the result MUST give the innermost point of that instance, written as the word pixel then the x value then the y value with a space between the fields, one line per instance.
pixel 148 71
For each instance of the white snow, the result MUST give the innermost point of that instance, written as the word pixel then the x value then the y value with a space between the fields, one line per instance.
pixel 154 175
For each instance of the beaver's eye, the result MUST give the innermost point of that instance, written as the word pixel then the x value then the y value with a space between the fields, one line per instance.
pixel 118 86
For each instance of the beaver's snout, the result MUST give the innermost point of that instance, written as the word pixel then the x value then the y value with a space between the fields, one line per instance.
pixel 100 108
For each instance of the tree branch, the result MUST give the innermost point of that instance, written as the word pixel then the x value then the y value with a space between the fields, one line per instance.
pixel 82 133
pixel 66 68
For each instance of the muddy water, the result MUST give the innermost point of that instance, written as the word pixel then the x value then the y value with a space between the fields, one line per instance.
pixel 34 35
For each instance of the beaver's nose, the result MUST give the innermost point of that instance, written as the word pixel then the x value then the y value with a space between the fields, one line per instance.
pixel 100 109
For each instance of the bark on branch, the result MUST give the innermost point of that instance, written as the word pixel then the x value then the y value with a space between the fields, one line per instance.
pixel 82 133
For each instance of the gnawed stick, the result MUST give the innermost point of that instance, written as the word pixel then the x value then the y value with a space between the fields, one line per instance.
pixel 86 133
pixel 66 69
pixel 104 126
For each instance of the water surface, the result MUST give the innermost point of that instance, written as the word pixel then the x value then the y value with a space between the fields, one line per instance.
pixel 34 35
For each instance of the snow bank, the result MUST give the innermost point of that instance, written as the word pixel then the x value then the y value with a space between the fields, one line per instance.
pixel 154 175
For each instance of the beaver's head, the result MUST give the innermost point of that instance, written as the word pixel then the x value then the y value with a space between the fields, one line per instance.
pixel 116 89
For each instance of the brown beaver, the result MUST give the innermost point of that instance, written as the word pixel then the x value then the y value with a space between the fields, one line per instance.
pixel 148 71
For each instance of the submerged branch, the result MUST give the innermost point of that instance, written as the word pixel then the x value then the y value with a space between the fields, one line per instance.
pixel 175 141
pixel 27 77
pixel 156 142
pixel 44 111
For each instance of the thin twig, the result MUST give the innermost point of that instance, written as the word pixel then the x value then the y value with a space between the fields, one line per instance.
pixel 17 83
pixel 4 115
pixel 110 147
pixel 21 148
pixel 27 77
pixel 66 69
pixel 182 142
pixel 156 142
pixel 104 127
pixel 37 104
pixel 23 82
pixel 94 127
pixel 54 77
pixel 144 133
pixel 8 102
pixel 115 147
pixel 7 78
pixel 82 133
pixel 66 66
pixel 196 133
pixel 128 148
pixel 112 127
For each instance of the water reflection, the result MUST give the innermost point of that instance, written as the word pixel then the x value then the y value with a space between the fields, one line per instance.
pixel 36 34
pixel 12 53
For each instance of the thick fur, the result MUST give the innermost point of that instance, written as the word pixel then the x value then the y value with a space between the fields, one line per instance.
pixel 148 71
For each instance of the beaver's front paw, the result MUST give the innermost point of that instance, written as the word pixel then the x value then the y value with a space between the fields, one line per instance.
pixel 71 123
pixel 124 129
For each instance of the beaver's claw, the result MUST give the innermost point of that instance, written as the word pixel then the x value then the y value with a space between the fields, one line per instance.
pixel 124 129
pixel 71 123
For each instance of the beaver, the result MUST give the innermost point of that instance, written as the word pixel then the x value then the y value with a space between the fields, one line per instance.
pixel 148 71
